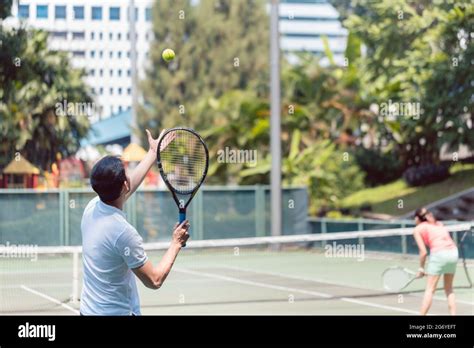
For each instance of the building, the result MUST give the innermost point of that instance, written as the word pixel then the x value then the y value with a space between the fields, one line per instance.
pixel 304 23
pixel 96 33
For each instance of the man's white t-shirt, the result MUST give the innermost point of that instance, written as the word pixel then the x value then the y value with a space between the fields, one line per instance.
pixel 111 247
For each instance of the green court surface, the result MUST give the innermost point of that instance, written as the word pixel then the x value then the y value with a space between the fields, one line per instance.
pixel 230 281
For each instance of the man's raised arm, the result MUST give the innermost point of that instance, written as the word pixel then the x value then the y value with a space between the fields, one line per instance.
pixel 139 173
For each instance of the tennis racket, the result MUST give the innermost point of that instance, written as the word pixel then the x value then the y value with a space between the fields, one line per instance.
pixel 397 278
pixel 183 160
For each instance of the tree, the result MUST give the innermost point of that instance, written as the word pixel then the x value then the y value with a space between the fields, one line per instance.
pixel 5 8
pixel 419 53
pixel 318 103
pixel 220 46
pixel 34 80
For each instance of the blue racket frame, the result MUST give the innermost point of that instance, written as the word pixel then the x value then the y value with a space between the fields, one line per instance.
pixel 182 207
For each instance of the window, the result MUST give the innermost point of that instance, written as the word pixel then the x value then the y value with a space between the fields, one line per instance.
pixel 101 36
pixel 120 109
pixel 79 54
pixel 101 54
pixel 78 35
pixel 148 14
pixel 111 91
pixel 60 12
pixel 24 11
pixel 97 13
pixel 119 36
pixel 119 54
pixel 92 54
pixel 92 36
pixel 111 72
pixel 119 90
pixel 119 72
pixel 92 72
pixel 78 12
pixel 101 72
pixel 42 11
pixel 128 54
pixel 101 90
pixel 114 13
pixel 93 90
pixel 110 36
pixel 129 72
pixel 59 34
pixel 111 54
pixel 129 91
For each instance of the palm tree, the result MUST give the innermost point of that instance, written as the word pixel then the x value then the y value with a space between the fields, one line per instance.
pixel 34 81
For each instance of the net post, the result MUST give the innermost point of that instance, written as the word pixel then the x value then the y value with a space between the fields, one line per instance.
pixel 259 211
pixel 455 237
pixel 75 277
pixel 324 229
pixel 66 218
pixel 197 203
pixel 360 227
pixel 62 208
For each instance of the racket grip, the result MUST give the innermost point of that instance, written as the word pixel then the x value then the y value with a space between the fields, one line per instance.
pixel 182 217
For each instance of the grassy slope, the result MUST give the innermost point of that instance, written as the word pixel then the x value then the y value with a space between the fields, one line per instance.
pixel 384 199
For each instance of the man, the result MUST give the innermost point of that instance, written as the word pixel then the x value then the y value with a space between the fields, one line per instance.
pixel 112 248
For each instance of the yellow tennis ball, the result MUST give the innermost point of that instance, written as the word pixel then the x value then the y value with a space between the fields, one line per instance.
pixel 168 55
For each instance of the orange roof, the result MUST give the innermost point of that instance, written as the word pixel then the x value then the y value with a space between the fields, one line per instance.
pixel 20 166
pixel 133 153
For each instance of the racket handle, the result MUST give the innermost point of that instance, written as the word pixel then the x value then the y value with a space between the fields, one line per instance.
pixel 182 217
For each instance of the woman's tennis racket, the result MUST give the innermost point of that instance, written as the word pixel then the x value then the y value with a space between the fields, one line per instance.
pixel 183 165
pixel 397 278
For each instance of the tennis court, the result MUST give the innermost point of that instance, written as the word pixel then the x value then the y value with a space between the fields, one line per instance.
pixel 302 275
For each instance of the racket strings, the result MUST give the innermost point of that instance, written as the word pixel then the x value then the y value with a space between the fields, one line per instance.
pixel 184 161
pixel 395 279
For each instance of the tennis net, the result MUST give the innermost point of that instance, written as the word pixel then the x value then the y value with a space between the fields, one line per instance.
pixel 49 279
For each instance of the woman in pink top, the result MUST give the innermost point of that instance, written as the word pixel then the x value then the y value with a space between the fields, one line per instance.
pixel 433 235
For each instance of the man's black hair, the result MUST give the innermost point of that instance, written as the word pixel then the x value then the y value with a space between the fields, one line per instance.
pixel 107 178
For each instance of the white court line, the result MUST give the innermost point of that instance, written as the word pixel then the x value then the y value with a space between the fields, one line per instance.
pixel 439 298
pixel 301 291
pixel 43 285
pixel 249 282
pixel 49 298
pixel 370 304
pixel 316 280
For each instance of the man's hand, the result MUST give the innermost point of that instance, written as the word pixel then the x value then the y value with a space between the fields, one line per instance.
pixel 139 173
pixel 154 142
pixel 154 278
pixel 180 233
